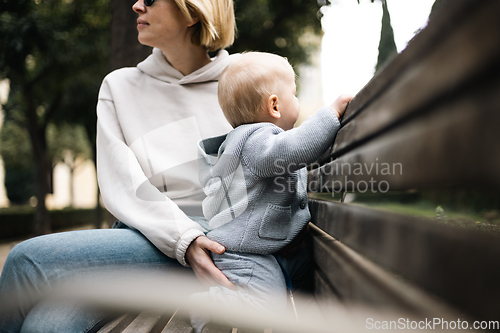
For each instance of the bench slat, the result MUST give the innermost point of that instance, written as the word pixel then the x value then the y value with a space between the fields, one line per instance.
pixel 214 328
pixel 112 326
pixel 323 288
pixel 147 322
pixel 144 322
pixel 458 265
pixel 178 324
pixel 456 143
pixel 360 281
pixel 119 324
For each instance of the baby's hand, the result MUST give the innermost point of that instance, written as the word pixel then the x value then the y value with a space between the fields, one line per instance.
pixel 340 104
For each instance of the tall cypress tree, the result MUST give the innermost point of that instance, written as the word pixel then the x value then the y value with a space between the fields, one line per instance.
pixel 387 47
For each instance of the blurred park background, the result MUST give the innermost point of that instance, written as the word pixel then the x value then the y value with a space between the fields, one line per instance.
pixel 55 53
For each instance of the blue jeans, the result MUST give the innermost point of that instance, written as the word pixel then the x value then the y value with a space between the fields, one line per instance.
pixel 38 263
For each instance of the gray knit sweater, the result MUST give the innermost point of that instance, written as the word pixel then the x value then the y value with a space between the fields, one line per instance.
pixel 255 178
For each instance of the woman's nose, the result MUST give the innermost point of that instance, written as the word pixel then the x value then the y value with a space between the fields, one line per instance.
pixel 139 6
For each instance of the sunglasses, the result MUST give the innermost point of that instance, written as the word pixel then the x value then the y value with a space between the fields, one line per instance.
pixel 148 2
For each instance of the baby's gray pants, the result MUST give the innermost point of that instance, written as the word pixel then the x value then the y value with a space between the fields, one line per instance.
pixel 260 281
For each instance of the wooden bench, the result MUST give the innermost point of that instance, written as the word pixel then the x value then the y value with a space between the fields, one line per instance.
pixel 434 112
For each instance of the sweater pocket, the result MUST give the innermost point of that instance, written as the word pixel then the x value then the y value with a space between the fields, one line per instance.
pixel 276 222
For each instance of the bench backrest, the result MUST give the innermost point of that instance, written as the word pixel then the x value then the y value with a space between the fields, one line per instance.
pixel 433 116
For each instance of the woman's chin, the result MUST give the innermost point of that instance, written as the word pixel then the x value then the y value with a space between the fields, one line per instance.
pixel 144 40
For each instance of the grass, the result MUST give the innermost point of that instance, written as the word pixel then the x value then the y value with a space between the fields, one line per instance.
pixel 485 221
pixel 17 209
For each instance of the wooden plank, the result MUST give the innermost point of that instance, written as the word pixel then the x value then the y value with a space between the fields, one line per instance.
pixel 112 324
pixel 239 330
pixel 143 323
pixel 216 328
pixel 161 324
pixel 458 265
pixel 323 288
pixel 122 323
pixel 119 324
pixel 361 281
pixel 178 324
pixel 457 143
pixel 444 72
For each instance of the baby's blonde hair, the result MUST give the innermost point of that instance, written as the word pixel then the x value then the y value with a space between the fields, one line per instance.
pixel 216 27
pixel 246 83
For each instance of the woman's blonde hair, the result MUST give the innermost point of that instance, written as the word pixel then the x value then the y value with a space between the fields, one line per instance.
pixel 246 84
pixel 216 27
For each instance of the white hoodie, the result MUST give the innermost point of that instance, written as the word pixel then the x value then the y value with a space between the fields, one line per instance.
pixel 150 118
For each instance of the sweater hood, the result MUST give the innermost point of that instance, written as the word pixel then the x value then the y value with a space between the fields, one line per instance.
pixel 222 175
pixel 157 66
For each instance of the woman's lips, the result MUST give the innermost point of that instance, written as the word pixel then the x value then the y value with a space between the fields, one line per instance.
pixel 141 23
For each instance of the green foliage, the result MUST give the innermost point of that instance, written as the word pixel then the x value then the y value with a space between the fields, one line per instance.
pixel 55 54
pixel 15 146
pixel 67 143
pixel 387 46
pixel 277 26
pixel 436 7
pixel 47 44
pixel 49 39
pixel 17 158
pixel 19 184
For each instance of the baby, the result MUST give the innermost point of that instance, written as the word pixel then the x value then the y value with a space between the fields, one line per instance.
pixel 254 176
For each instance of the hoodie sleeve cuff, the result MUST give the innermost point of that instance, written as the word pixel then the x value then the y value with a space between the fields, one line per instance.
pixel 183 244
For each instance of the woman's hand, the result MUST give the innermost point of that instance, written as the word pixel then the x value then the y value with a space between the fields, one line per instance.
pixel 198 258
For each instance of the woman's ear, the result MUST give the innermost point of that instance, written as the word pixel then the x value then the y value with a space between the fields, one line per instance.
pixel 194 20
pixel 273 107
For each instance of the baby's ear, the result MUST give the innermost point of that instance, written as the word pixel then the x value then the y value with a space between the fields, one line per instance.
pixel 273 107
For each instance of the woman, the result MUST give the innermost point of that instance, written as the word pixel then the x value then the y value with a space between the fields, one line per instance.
pixel 149 120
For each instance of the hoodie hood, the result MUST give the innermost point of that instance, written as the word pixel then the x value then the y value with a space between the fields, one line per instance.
pixel 157 66
pixel 222 175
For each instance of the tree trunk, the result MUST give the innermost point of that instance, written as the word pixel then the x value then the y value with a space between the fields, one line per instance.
pixel 39 145
pixel 126 51
pixel 98 211
pixel 71 186
pixel 42 218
